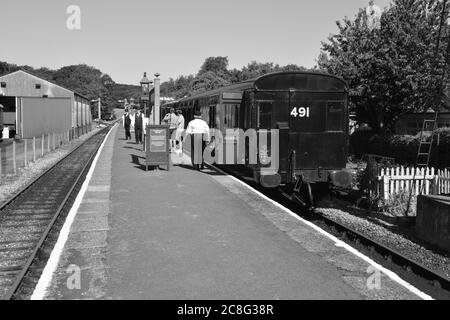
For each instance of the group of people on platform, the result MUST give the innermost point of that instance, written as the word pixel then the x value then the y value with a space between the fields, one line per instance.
pixel 135 121
pixel 175 121
pixel 197 129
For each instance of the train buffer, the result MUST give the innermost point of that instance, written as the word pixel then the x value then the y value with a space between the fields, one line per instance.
pixel 184 234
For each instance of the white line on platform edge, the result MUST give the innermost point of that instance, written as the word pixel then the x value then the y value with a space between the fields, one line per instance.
pixel 339 243
pixel 46 277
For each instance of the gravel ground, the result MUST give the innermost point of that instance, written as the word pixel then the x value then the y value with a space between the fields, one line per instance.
pixel 11 184
pixel 385 231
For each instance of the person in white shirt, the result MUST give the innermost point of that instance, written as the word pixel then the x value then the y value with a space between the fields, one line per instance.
pixel 180 130
pixel 198 129
pixel 171 119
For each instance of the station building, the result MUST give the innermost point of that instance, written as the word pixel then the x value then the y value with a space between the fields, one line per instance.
pixel 33 107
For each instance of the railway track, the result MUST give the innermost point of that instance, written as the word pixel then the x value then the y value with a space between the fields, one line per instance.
pixel 435 284
pixel 31 220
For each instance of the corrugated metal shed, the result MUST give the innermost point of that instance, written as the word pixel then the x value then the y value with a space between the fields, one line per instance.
pixel 43 116
pixel 22 84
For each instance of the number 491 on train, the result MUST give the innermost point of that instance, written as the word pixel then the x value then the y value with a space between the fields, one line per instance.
pixel 300 112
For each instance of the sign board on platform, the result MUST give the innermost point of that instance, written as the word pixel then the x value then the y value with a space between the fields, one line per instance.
pixel 157 146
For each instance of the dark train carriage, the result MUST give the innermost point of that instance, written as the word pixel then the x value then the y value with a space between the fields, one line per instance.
pixel 310 112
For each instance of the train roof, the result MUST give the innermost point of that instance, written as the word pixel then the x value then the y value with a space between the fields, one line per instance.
pixel 300 81
pixel 248 84
pixel 280 81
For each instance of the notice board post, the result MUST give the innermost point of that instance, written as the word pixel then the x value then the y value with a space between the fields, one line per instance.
pixel 157 148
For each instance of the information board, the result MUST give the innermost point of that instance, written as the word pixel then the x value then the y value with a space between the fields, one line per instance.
pixel 157 151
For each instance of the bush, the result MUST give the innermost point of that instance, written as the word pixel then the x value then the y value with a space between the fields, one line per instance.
pixel 404 148
pixel 397 204
pixel 359 142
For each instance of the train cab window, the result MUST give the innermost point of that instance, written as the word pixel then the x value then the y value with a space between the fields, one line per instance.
pixel 335 115
pixel 265 115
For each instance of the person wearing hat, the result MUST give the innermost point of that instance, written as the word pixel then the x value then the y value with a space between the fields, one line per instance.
pixel 199 131
pixel 126 122
pixel 138 125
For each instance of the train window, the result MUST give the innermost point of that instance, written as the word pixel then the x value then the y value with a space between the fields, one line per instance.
pixel 212 116
pixel 205 113
pixel 213 100
pixel 265 115
pixel 335 115
pixel 231 115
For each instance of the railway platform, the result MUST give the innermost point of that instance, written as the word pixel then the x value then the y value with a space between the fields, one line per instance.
pixel 184 234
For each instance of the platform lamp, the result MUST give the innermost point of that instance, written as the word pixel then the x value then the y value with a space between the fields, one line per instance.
pixel 145 86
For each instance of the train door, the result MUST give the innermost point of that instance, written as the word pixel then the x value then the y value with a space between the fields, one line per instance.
pixel 271 109
pixel 316 130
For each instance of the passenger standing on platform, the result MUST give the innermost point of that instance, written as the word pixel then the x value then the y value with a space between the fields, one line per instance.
pixel 180 130
pixel 138 124
pixel 199 131
pixel 126 122
pixel 171 120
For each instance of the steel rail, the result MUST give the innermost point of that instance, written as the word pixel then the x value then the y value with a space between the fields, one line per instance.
pixel 391 254
pixel 438 279
pixel 33 182
pixel 38 247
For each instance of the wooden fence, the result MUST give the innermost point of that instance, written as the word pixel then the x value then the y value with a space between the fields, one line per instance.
pixel 17 154
pixel 422 180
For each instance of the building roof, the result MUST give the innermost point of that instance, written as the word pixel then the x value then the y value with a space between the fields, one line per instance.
pixel 44 80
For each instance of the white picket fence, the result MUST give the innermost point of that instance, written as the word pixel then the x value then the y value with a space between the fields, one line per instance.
pixel 425 180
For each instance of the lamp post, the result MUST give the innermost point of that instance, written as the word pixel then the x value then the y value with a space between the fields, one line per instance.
pixel 145 86
pixel 157 99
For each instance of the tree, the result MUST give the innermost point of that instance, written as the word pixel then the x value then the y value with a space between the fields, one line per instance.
pixel 255 69
pixel 208 81
pixel 391 70
pixel 217 65
pixel 214 74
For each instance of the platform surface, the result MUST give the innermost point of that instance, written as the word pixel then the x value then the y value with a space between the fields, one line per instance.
pixel 184 234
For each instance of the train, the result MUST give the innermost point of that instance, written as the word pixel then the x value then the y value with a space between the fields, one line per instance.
pixel 309 113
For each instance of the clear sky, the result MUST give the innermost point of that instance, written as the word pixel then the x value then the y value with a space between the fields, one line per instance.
pixel 172 37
